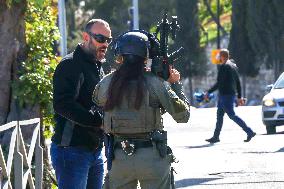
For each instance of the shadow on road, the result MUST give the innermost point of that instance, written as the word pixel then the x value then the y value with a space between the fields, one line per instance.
pixel 277 133
pixel 199 146
pixel 280 150
pixel 192 181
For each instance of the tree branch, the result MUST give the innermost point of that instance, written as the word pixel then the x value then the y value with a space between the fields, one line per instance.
pixel 214 17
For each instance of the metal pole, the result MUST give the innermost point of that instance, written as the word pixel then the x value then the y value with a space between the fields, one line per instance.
pixel 0 177
pixel 218 24
pixel 62 27
pixel 18 157
pixel 135 15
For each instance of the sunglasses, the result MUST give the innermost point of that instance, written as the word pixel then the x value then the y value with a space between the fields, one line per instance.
pixel 100 38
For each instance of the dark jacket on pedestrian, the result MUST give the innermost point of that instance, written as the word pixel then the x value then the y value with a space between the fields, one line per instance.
pixel 228 82
pixel 75 79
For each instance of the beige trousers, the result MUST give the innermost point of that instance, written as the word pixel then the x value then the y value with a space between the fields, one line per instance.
pixel 145 166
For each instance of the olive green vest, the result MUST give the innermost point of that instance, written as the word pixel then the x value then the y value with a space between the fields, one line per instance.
pixel 125 119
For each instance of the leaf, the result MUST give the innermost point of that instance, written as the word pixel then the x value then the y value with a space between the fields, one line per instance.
pixel 34 85
pixel 38 3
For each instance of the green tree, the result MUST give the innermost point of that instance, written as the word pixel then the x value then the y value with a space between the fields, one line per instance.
pixel 208 19
pixel 240 48
pixel 114 12
pixel 12 52
pixel 188 37
pixel 117 13
pixel 35 74
pixel 257 35
pixel 152 12
pixel 239 45
pixel 28 32
pixel 265 31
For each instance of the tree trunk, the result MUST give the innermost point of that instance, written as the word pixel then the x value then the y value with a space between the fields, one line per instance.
pixel 244 86
pixel 70 11
pixel 191 99
pixel 48 176
pixel 278 59
pixel 12 51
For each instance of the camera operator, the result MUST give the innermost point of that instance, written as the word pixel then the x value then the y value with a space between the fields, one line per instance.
pixel 133 100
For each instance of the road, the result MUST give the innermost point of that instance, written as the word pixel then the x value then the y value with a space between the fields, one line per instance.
pixel 231 163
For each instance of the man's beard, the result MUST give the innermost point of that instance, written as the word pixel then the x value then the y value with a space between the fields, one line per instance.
pixel 94 51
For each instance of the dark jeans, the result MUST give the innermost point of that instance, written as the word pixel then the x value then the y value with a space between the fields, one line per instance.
pixel 226 105
pixel 77 168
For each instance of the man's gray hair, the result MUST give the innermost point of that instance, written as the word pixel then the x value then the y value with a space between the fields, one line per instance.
pixel 225 53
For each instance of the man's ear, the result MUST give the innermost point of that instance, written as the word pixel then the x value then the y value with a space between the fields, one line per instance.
pixel 146 61
pixel 119 59
pixel 86 36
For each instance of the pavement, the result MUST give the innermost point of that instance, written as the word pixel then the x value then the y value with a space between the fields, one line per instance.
pixel 231 163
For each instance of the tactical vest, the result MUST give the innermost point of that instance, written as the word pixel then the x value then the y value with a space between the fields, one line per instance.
pixel 125 119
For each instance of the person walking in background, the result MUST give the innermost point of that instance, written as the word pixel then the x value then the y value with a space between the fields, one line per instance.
pixel 133 99
pixel 76 149
pixel 228 83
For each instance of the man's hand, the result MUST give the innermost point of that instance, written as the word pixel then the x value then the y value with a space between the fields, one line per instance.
pixel 174 75
pixel 206 97
pixel 241 101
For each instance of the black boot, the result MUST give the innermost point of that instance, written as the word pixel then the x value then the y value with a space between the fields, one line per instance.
pixel 249 137
pixel 213 140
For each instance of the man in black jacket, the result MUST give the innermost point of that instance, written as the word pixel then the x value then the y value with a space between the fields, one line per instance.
pixel 228 83
pixel 77 141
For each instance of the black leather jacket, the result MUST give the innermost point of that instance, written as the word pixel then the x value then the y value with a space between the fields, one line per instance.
pixel 228 82
pixel 74 81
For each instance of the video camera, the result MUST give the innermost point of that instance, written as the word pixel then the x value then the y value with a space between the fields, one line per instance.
pixel 131 42
pixel 161 60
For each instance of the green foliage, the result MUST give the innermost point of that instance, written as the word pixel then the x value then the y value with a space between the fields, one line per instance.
pixel 36 2
pixel 9 2
pixel 204 16
pixel 34 85
pixel 207 23
pixel 53 186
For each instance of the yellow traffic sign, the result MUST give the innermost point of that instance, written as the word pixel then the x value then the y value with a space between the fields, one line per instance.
pixel 215 56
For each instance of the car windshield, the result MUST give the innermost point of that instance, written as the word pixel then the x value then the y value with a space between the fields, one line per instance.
pixel 279 83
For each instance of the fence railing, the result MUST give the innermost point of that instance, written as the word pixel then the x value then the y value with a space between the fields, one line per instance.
pixel 25 161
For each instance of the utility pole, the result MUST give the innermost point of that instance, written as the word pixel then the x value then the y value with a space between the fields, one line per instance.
pixel 62 27
pixel 218 24
pixel 135 14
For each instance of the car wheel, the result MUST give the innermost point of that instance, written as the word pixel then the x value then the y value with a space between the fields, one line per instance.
pixel 270 129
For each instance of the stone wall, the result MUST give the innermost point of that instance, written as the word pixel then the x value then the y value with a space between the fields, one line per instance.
pixel 255 87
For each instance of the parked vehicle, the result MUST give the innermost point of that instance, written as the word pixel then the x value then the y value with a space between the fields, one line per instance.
pixel 273 106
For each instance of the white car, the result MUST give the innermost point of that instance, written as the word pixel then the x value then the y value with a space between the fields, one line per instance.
pixel 273 106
